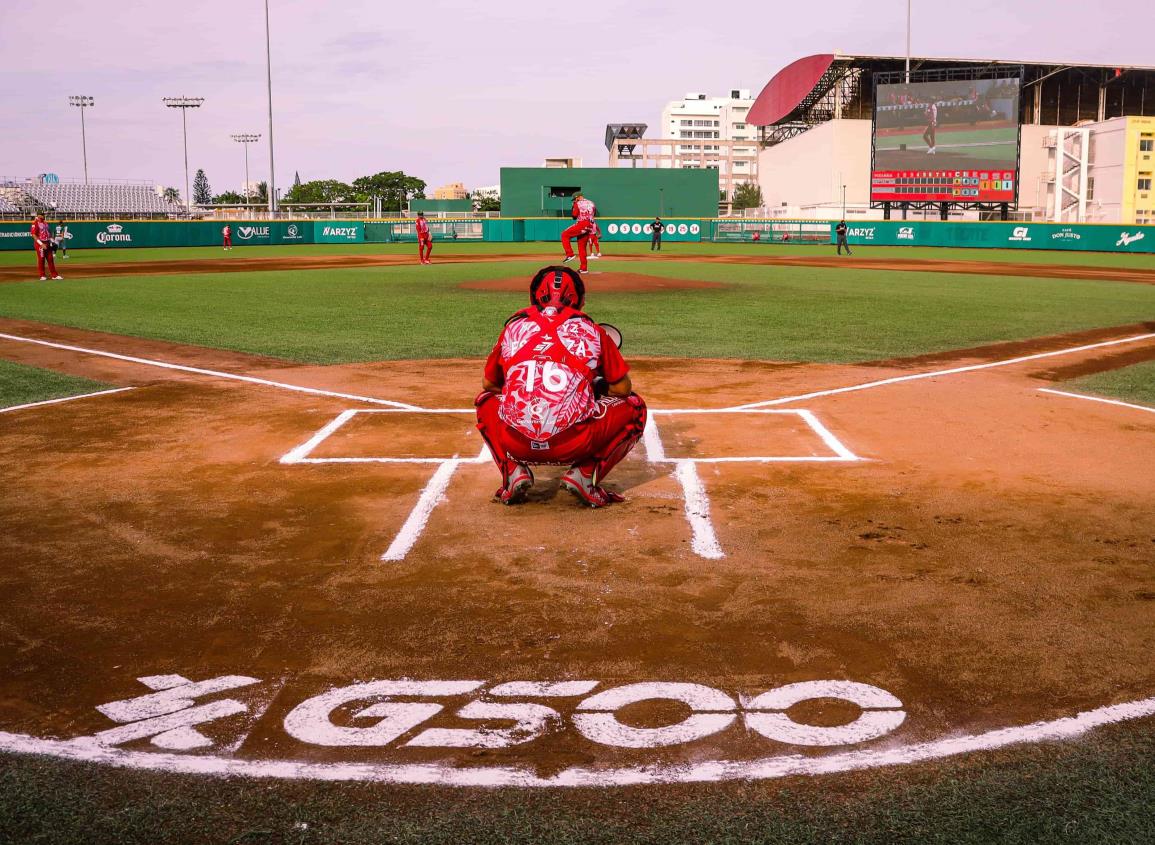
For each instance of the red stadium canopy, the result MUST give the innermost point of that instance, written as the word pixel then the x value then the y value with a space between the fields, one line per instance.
pixel 786 91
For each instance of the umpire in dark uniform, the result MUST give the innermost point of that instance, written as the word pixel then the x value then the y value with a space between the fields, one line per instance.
pixel 840 232
pixel 656 234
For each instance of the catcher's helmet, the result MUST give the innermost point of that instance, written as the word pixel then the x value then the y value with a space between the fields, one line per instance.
pixel 558 287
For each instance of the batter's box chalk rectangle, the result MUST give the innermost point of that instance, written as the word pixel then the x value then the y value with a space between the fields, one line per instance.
pixel 393 436
pixel 793 435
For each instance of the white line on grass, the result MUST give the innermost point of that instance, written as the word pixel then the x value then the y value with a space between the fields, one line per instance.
pixel 148 362
pixel 1098 399
pixel 88 750
pixel 953 371
pixel 64 399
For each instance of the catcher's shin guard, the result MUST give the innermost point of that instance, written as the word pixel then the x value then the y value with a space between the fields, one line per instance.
pixel 625 440
pixel 490 427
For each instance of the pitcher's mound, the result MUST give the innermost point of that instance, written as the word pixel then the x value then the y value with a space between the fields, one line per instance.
pixel 598 282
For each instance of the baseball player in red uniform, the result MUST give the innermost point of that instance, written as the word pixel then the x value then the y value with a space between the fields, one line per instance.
pixel 42 240
pixel 556 390
pixel 424 239
pixel 595 249
pixel 227 237
pixel 583 212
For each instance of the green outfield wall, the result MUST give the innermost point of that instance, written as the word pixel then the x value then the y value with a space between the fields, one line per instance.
pixel 618 192
pixel 1046 236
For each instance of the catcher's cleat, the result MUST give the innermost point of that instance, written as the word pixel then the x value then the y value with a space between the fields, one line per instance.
pixel 586 491
pixel 515 490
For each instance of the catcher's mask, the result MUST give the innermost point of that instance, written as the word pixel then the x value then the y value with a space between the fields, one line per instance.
pixel 558 287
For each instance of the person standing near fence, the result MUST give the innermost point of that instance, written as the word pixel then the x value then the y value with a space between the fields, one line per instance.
pixel 42 241
pixel 424 239
pixel 840 233
pixel 61 240
pixel 656 234
pixel 227 237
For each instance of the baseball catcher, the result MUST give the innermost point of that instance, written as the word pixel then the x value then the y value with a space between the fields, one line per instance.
pixel 556 390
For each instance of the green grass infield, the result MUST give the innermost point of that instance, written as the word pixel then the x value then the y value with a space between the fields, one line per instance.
pixel 762 313
pixel 20 385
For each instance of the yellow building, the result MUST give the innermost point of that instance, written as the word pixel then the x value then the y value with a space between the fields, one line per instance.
pixel 1137 200
pixel 452 191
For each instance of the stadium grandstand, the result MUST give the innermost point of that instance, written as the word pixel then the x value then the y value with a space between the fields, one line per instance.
pixel 825 87
pixel 77 200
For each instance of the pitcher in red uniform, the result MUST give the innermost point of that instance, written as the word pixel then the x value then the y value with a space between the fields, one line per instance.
pixel 583 212
pixel 556 390
pixel 424 239
pixel 42 240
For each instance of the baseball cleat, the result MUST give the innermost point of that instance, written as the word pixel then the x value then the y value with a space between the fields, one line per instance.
pixel 44 278
pixel 586 492
pixel 568 259
pixel 515 490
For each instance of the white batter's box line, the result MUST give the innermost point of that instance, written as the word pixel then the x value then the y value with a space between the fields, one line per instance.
pixel 656 453
pixel 300 454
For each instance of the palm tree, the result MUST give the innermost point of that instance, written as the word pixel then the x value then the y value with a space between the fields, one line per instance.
pixel 171 194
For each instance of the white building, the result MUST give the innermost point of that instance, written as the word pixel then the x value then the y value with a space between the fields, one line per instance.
pixel 697 117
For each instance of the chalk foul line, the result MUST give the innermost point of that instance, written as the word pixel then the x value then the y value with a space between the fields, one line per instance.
pixel 184 368
pixel 91 751
pixel 1101 399
pixel 64 399
pixel 937 373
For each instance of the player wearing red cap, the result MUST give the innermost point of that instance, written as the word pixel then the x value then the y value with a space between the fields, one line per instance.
pixel 424 239
pixel 583 212
pixel 42 241
pixel 556 390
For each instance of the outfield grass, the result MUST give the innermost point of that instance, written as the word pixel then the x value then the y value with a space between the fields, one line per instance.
pixel 1096 790
pixel 670 249
pixel 1131 384
pixel 20 384
pixel 802 314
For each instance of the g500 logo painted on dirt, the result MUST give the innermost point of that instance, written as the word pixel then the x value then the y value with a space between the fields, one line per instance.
pixel 388 713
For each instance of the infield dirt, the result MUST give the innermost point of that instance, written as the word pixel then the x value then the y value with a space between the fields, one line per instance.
pixel 988 562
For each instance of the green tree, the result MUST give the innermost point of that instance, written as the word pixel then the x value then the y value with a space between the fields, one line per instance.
pixel 319 190
pixel 747 195
pixel 393 188
pixel 486 201
pixel 171 194
pixel 229 198
pixel 202 193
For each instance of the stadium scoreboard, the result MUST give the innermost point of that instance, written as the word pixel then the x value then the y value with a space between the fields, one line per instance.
pixel 945 139
pixel 943 185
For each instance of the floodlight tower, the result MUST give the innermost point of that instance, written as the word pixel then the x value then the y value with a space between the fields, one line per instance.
pixel 246 139
pixel 83 102
pixel 269 88
pixel 184 104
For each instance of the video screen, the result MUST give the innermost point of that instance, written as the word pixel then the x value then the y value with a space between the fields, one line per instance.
pixel 946 141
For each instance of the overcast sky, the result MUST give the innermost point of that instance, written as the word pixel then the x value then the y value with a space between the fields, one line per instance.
pixel 448 90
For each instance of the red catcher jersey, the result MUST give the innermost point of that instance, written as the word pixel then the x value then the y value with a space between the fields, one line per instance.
pixel 546 363
pixel 584 210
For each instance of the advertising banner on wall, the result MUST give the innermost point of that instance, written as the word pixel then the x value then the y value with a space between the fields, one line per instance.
pixel 1058 236
pixel 338 232
pixel 640 230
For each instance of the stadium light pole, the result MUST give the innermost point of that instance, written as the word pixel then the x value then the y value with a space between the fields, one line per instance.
pixel 907 79
pixel 246 139
pixel 184 104
pixel 83 102
pixel 269 86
